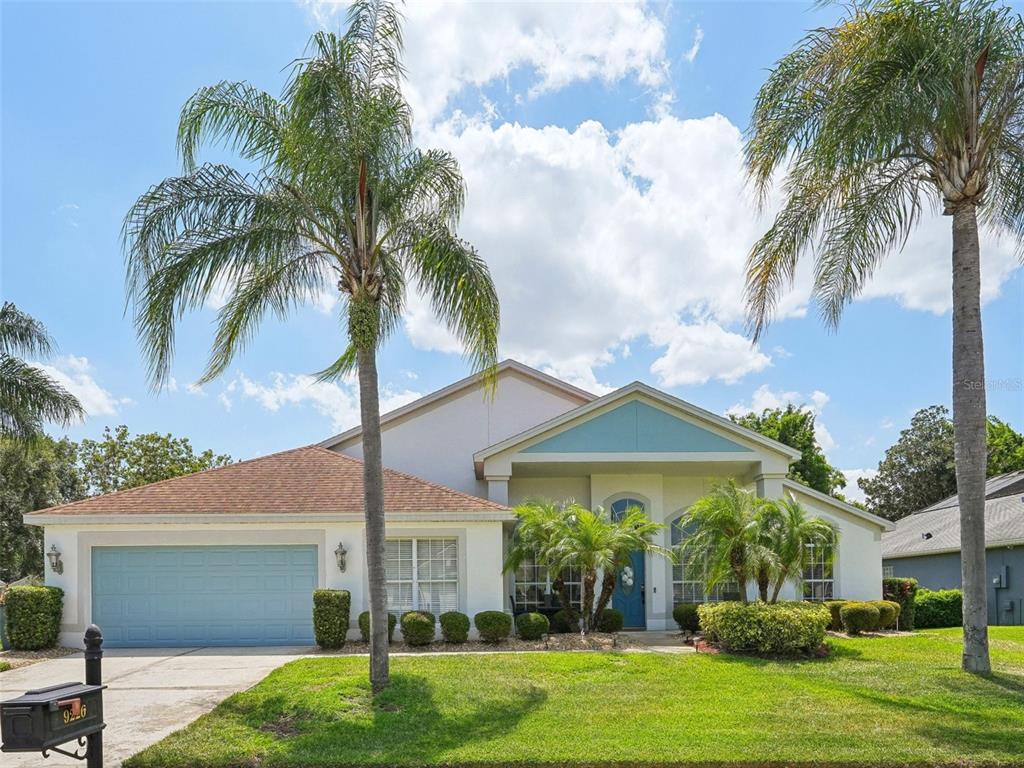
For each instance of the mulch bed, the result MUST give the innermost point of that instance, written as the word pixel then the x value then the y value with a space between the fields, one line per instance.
pixel 24 658
pixel 596 641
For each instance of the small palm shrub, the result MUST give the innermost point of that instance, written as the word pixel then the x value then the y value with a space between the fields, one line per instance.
pixel 330 616
pixel 888 613
pixel 454 627
pixel 493 626
pixel 33 616
pixel 364 626
pixel 834 606
pixel 685 615
pixel 563 623
pixel 532 626
pixel 787 628
pixel 939 608
pixel 417 627
pixel 611 620
pixel 859 617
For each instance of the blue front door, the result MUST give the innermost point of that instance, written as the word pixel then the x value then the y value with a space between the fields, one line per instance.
pixel 629 596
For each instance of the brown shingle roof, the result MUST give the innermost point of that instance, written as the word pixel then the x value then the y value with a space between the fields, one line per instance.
pixel 309 480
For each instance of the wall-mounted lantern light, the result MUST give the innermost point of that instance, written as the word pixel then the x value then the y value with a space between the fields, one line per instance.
pixel 340 553
pixel 56 564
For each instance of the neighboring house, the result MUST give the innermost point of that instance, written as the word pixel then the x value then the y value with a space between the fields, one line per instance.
pixel 230 556
pixel 926 546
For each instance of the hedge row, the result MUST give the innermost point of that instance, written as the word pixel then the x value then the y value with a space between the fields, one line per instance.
pixel 785 628
pixel 854 616
pixel 939 608
pixel 33 616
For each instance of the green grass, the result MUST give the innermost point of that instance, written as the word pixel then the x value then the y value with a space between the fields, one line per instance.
pixel 4 666
pixel 875 701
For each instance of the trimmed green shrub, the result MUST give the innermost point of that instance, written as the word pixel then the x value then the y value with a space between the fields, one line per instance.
pixel 783 628
pixel 902 591
pixel 888 612
pixel 364 626
pixel 859 617
pixel 493 626
pixel 330 616
pixel 939 608
pixel 834 607
pixel 454 627
pixel 418 627
pixel 685 615
pixel 33 617
pixel 532 626
pixel 563 623
pixel 611 620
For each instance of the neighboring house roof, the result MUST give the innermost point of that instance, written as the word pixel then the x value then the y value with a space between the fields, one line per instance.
pixel 935 531
pixel 505 366
pixel 824 498
pixel 621 394
pixel 302 481
pixel 1006 484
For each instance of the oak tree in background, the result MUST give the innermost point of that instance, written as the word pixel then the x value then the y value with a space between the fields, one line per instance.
pixel 900 105
pixel 919 470
pixel 342 203
pixel 120 461
pixel 794 426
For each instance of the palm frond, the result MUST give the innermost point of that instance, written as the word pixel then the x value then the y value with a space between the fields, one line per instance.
pixel 21 334
pixel 29 398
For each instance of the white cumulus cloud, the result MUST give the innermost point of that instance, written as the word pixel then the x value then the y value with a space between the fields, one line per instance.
pixel 852 491
pixel 338 401
pixel 77 376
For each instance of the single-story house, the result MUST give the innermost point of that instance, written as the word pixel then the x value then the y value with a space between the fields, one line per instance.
pixel 230 556
pixel 926 546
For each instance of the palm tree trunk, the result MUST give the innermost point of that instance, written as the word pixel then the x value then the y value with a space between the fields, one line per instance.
pixel 607 589
pixel 778 587
pixel 564 601
pixel 589 579
pixel 969 417
pixel 373 499
pixel 763 582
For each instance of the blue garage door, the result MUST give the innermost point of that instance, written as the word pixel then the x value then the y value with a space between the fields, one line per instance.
pixel 183 596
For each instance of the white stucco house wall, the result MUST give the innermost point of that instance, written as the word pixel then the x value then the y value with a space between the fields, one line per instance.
pixel 230 556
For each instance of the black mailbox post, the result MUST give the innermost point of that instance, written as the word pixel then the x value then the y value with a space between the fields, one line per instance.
pixel 43 719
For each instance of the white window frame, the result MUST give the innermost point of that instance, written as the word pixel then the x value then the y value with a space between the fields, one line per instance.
pixel 415 580
pixel 545 583
pixel 828 584
pixel 888 571
pixel 722 591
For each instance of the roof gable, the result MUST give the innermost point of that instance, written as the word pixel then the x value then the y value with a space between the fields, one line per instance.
pixel 570 393
pixel 677 424
pixel 636 426
pixel 309 481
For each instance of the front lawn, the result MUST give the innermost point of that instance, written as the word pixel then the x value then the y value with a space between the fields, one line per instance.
pixel 888 701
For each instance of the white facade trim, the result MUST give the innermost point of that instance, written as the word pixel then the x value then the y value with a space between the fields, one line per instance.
pixel 795 487
pixel 76 521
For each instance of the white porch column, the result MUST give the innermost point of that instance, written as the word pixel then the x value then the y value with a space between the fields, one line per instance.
pixel 769 485
pixel 497 488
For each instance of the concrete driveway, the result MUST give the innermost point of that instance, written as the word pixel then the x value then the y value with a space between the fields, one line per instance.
pixel 151 692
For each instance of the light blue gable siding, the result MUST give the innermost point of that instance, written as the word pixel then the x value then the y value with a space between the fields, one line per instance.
pixel 636 427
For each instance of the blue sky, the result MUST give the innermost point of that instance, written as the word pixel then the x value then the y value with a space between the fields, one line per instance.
pixel 600 144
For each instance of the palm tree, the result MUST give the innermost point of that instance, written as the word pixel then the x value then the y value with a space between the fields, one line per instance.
pixel 537 526
pixel 900 103
pixel 341 202
pixel 724 531
pixel 591 541
pixel 28 397
pixel 788 531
